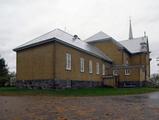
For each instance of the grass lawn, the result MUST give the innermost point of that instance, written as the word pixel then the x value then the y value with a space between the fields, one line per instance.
pixel 76 92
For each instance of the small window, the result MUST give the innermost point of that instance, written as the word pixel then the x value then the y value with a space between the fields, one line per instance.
pixel 68 61
pixel 127 72
pixel 97 68
pixel 82 64
pixel 90 66
pixel 115 72
pixel 103 69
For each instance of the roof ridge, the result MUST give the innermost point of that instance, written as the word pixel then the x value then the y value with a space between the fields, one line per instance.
pixel 39 36
pixel 66 38
pixel 102 31
pixel 89 44
pixel 46 34
pixel 64 31
pixel 106 36
pixel 134 45
pixel 131 39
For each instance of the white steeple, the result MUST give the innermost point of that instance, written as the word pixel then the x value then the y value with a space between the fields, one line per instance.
pixel 144 33
pixel 130 31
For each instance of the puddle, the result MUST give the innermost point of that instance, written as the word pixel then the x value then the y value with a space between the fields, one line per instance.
pixel 154 95
pixel 153 99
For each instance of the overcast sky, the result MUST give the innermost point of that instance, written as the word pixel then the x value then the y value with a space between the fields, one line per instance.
pixel 23 20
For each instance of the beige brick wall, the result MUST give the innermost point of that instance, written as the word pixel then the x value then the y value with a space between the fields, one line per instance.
pixel 48 61
pixel 36 63
pixel 75 74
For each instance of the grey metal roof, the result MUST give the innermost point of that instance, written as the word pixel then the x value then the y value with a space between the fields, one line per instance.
pixel 133 45
pixel 98 37
pixel 65 38
pixel 101 36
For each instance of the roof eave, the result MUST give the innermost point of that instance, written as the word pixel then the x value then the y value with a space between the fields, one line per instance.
pixel 120 45
pixel 83 50
pixel 99 40
pixel 34 44
pixel 137 53
pixel 56 39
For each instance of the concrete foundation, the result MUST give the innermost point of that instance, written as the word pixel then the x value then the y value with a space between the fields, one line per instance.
pixel 56 84
pixel 131 84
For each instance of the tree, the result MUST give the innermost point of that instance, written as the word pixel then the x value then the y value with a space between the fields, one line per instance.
pixel 155 80
pixel 4 73
pixel 12 78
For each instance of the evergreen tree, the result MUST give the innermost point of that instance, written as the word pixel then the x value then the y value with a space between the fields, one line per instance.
pixel 4 73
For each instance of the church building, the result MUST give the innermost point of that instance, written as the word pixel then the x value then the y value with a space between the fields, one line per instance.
pixel 58 59
pixel 131 58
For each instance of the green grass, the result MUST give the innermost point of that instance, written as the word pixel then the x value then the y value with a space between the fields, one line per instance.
pixel 76 92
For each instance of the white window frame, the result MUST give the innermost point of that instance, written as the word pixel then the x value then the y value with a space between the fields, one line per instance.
pixel 90 66
pixel 127 71
pixel 103 69
pixel 115 72
pixel 81 64
pixel 127 62
pixel 97 68
pixel 68 61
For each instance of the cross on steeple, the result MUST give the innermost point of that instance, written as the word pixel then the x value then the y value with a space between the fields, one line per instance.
pixel 130 31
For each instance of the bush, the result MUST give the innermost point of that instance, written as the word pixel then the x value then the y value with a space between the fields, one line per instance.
pixel 154 80
pixel 3 80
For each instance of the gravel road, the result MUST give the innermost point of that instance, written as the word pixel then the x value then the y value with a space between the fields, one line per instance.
pixel 135 107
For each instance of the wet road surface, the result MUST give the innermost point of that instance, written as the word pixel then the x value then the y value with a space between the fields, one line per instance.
pixel 136 107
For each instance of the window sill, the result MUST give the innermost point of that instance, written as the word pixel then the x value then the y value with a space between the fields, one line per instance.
pixel 115 75
pixel 68 69
pixel 127 74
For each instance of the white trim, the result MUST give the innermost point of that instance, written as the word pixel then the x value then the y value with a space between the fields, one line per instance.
pixel 103 69
pixel 68 61
pixel 127 62
pixel 90 66
pixel 115 72
pixel 127 72
pixel 97 68
pixel 81 64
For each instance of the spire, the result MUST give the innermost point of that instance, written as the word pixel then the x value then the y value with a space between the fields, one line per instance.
pixel 130 31
pixel 144 33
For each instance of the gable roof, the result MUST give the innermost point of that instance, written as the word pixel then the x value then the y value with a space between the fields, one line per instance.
pixel 65 38
pixel 103 37
pixel 134 45
pixel 98 37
